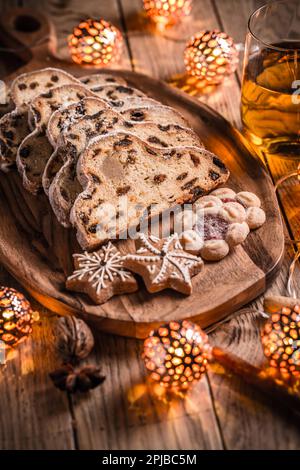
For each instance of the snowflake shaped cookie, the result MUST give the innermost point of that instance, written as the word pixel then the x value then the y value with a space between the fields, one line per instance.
pixel 163 264
pixel 101 274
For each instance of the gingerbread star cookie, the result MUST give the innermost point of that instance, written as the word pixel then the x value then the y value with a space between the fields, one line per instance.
pixel 163 264
pixel 219 222
pixel 101 275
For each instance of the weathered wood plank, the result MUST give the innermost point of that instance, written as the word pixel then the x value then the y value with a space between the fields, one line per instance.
pixel 33 414
pixel 248 419
pixel 264 426
pixel 125 414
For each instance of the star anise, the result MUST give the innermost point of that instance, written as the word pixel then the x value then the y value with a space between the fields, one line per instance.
pixel 71 379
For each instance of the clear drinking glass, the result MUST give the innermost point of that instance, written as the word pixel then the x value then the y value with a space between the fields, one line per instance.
pixel 271 79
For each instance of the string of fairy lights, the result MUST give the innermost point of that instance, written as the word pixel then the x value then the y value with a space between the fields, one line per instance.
pixel 208 55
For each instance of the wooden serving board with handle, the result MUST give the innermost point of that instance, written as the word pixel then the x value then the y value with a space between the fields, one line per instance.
pixel 38 251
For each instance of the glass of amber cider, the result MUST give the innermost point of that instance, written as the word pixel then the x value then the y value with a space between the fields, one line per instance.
pixel 271 79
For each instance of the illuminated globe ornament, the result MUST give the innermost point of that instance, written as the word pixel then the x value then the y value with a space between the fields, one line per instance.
pixel 16 316
pixel 211 56
pixel 167 12
pixel 281 340
pixel 176 354
pixel 95 42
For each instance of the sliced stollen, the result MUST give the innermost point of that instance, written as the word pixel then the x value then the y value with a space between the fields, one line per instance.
pixel 123 97
pixel 13 129
pixel 62 118
pixel 159 114
pixel 64 188
pixel 14 126
pixel 45 104
pixel 29 85
pixel 35 150
pixel 100 79
pixel 120 168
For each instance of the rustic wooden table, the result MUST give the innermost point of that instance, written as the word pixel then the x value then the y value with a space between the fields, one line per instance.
pixel 220 412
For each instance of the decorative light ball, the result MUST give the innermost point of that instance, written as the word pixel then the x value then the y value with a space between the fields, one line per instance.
pixel 95 42
pixel 167 11
pixel 281 340
pixel 176 354
pixel 211 56
pixel 16 316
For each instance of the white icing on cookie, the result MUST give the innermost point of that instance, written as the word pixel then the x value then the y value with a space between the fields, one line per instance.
pixel 165 259
pixel 100 267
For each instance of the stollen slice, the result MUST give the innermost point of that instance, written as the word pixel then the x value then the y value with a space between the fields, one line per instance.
pixel 14 126
pixel 100 79
pixel 159 114
pixel 35 150
pixel 27 86
pixel 62 118
pixel 64 188
pixel 123 97
pixel 126 180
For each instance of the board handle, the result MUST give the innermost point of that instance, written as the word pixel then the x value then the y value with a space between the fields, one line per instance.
pixel 25 31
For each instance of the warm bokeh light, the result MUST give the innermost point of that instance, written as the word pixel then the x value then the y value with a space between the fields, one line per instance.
pixel 176 354
pixel 16 316
pixel 281 341
pixel 95 42
pixel 167 12
pixel 211 56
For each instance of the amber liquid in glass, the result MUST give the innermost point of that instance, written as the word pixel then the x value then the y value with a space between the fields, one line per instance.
pixel 271 100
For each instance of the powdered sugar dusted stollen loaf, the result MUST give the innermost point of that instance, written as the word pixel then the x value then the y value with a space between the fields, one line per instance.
pixel 219 222
pixel 121 166
pixel 64 117
pixel 45 104
pixel 123 97
pixel 13 129
pixel 159 114
pixel 14 126
pixel 35 150
pixel 65 188
pixel 100 79
pixel 29 85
